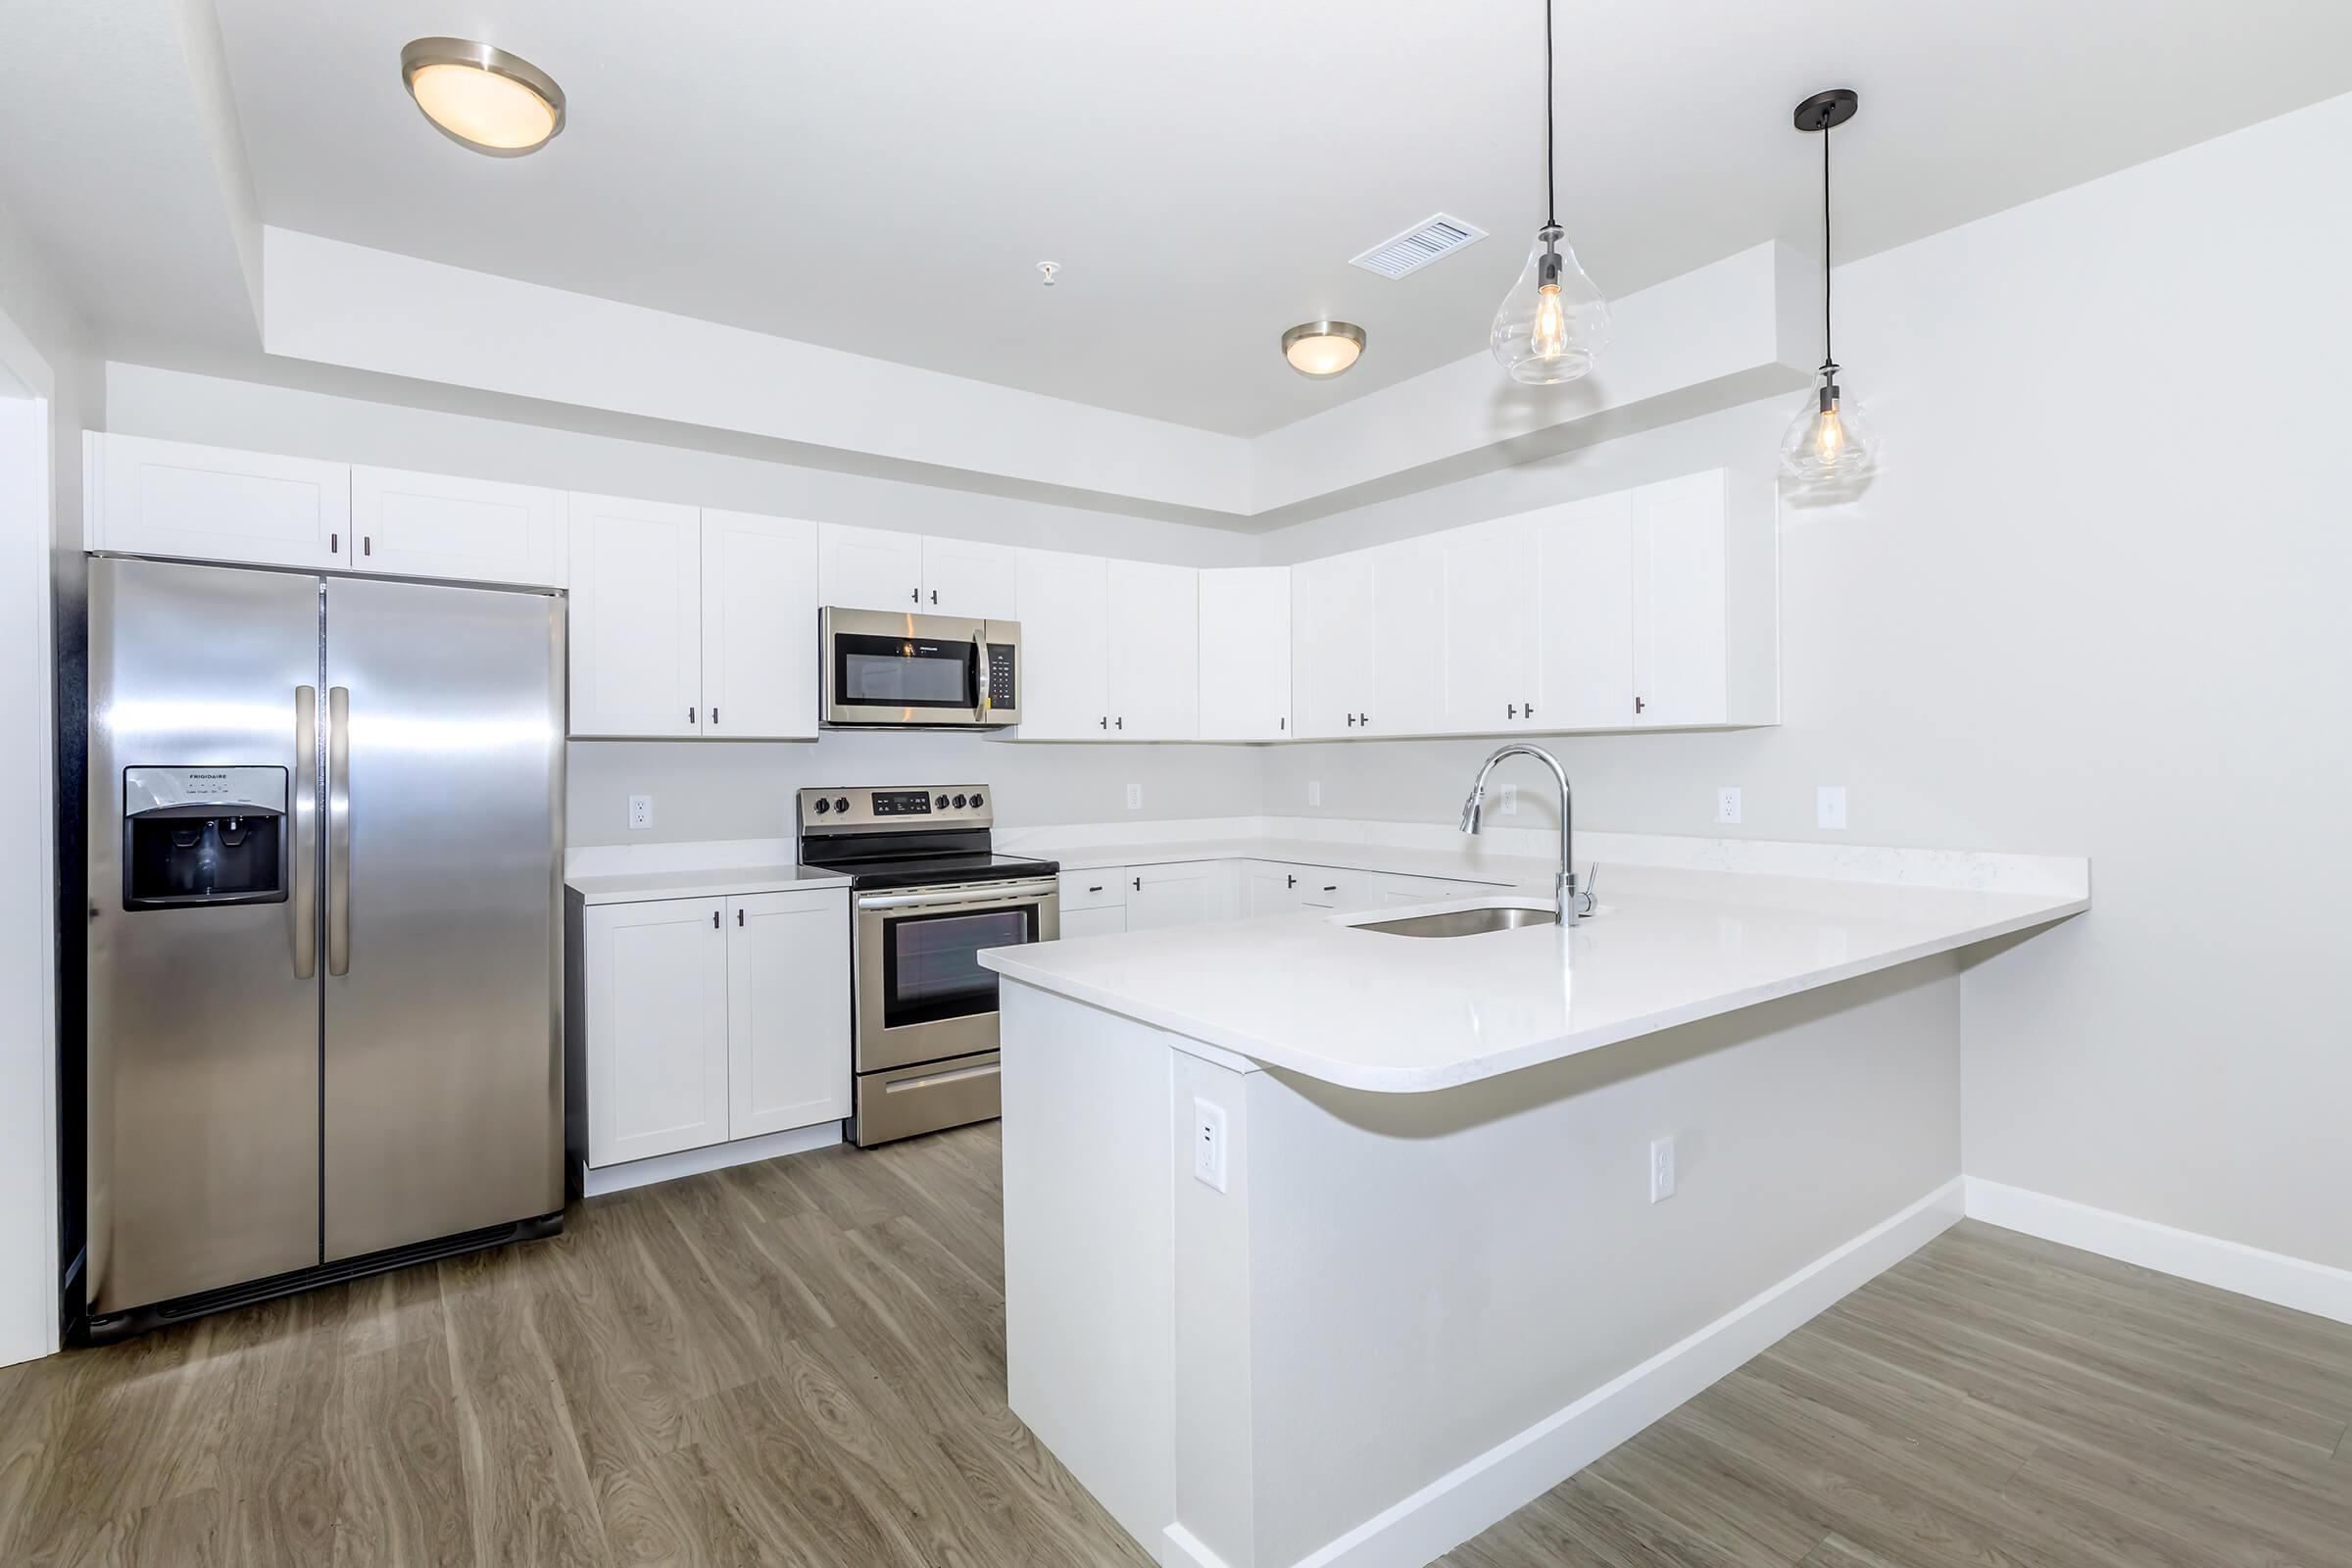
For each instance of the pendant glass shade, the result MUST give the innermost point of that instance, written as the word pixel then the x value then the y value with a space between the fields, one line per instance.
pixel 1828 441
pixel 1554 321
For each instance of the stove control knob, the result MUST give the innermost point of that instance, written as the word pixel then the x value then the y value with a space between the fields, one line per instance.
pixel 960 802
pixel 841 803
pixel 822 806
pixel 942 803
pixel 977 802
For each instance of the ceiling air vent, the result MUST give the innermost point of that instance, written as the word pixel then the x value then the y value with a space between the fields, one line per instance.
pixel 1418 246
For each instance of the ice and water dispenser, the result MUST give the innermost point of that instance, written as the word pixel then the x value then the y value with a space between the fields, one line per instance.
pixel 196 836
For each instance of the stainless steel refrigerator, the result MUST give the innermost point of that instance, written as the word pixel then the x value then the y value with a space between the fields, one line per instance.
pixel 326 836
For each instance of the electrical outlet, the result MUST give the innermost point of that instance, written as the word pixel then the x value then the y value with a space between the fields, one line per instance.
pixel 640 811
pixel 1209 1143
pixel 1510 800
pixel 1135 797
pixel 1830 806
pixel 1315 792
pixel 1727 803
pixel 1662 1169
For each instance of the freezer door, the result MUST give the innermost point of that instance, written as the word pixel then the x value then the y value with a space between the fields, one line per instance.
pixel 203 1002
pixel 444 1088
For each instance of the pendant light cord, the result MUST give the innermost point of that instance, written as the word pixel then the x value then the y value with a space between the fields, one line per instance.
pixel 1552 184
pixel 1828 360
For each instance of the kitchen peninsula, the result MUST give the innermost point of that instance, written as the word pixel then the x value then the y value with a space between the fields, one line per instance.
pixel 1330 1244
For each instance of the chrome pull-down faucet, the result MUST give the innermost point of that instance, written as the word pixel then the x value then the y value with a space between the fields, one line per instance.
pixel 1573 905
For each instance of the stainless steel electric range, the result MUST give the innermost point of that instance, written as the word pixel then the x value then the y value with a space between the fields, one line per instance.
pixel 928 891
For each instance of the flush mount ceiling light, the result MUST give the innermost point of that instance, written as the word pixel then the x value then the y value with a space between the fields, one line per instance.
pixel 1322 348
pixel 1554 321
pixel 1827 442
pixel 481 97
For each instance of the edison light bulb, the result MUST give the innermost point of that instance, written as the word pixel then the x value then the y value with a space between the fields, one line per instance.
pixel 1828 440
pixel 1554 321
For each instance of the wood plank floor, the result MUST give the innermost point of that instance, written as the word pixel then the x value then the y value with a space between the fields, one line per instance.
pixel 803 1363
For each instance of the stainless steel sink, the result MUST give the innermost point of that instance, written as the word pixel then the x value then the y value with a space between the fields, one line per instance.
pixel 1464 923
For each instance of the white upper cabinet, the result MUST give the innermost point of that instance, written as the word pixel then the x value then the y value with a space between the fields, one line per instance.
pixel 1246 653
pixel 758 603
pixel 869 568
pixel 1491 676
pixel 1154 632
pixel 433 525
pixel 636 616
pixel 1332 637
pixel 1065 645
pixel 1408 641
pixel 1585 631
pixel 977 581
pixel 167 497
pixel 788 1011
pixel 1705 603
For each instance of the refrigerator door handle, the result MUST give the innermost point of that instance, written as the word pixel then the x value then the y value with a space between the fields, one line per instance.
pixel 338 830
pixel 306 832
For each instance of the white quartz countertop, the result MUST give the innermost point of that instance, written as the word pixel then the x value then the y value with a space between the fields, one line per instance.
pixel 696 882
pixel 1315 994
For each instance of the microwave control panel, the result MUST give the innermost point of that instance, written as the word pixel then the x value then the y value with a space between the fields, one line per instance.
pixel 1000 676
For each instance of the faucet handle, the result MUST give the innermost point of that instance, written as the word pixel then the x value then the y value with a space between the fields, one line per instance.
pixel 1588 897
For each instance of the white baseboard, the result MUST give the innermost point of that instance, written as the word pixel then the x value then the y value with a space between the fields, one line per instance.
pixel 2273 1277
pixel 1185 1551
pixel 1456 1506
pixel 597 1180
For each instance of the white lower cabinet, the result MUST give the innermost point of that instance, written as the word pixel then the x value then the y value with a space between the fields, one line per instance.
pixel 1104 922
pixel 1186 893
pixel 1268 888
pixel 712 1020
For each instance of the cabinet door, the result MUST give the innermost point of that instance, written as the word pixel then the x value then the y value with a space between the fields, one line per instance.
pixel 1103 923
pixel 788 1011
pixel 433 525
pixel 1490 637
pixel 657 1028
pixel 758 602
pixel 962 577
pixel 1269 888
pixel 869 568
pixel 1585 591
pixel 1154 652
pixel 167 497
pixel 1679 606
pixel 1246 653
pixel 1408 641
pixel 636 617
pixel 1331 644
pixel 1065 646
pixel 1185 894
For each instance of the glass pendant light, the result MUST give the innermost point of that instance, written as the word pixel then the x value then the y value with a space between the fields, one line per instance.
pixel 1554 321
pixel 1828 442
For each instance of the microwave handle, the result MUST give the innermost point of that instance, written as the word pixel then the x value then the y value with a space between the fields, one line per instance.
pixel 980 674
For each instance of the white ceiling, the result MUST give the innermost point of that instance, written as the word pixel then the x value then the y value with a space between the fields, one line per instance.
pixel 883 178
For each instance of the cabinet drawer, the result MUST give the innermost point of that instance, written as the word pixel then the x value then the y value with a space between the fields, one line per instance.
pixel 1093 890
pixel 919 1100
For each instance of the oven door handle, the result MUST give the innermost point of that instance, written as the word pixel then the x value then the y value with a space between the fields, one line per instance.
pixel 978 892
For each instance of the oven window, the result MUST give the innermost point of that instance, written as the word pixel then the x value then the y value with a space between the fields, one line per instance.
pixel 903 672
pixel 930 968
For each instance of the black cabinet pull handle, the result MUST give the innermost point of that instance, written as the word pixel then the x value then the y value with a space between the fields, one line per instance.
pixel 335 544
pixel 367 544
pixel 1103 721
pixel 1122 724
pixel 1290 881
pixel 689 715
pixel 1510 710
pixel 935 595
pixel 1139 884
pixel 714 920
pixel 714 717
pixel 916 596
pixel 1639 705
pixel 1096 888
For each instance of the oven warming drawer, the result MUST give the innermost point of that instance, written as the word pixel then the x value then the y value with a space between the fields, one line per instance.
pixel 906 1101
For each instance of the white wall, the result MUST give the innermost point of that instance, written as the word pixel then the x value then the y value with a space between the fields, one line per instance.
pixel 2096 604
pixel 48 387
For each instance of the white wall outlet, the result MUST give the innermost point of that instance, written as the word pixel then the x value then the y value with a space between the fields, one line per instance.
pixel 1510 800
pixel 1662 1169
pixel 640 811
pixel 1135 797
pixel 1830 806
pixel 1315 792
pixel 1209 1143
pixel 1727 803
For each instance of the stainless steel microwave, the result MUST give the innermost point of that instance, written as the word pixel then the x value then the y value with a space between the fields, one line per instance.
pixel 884 669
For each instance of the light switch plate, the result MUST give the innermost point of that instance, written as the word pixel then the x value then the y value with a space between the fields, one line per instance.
pixel 1830 802
pixel 1135 797
pixel 1209 1143
pixel 1315 792
pixel 1727 803
pixel 640 811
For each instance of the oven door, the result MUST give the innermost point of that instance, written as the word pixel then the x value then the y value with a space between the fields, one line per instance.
pixel 917 670
pixel 922 995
